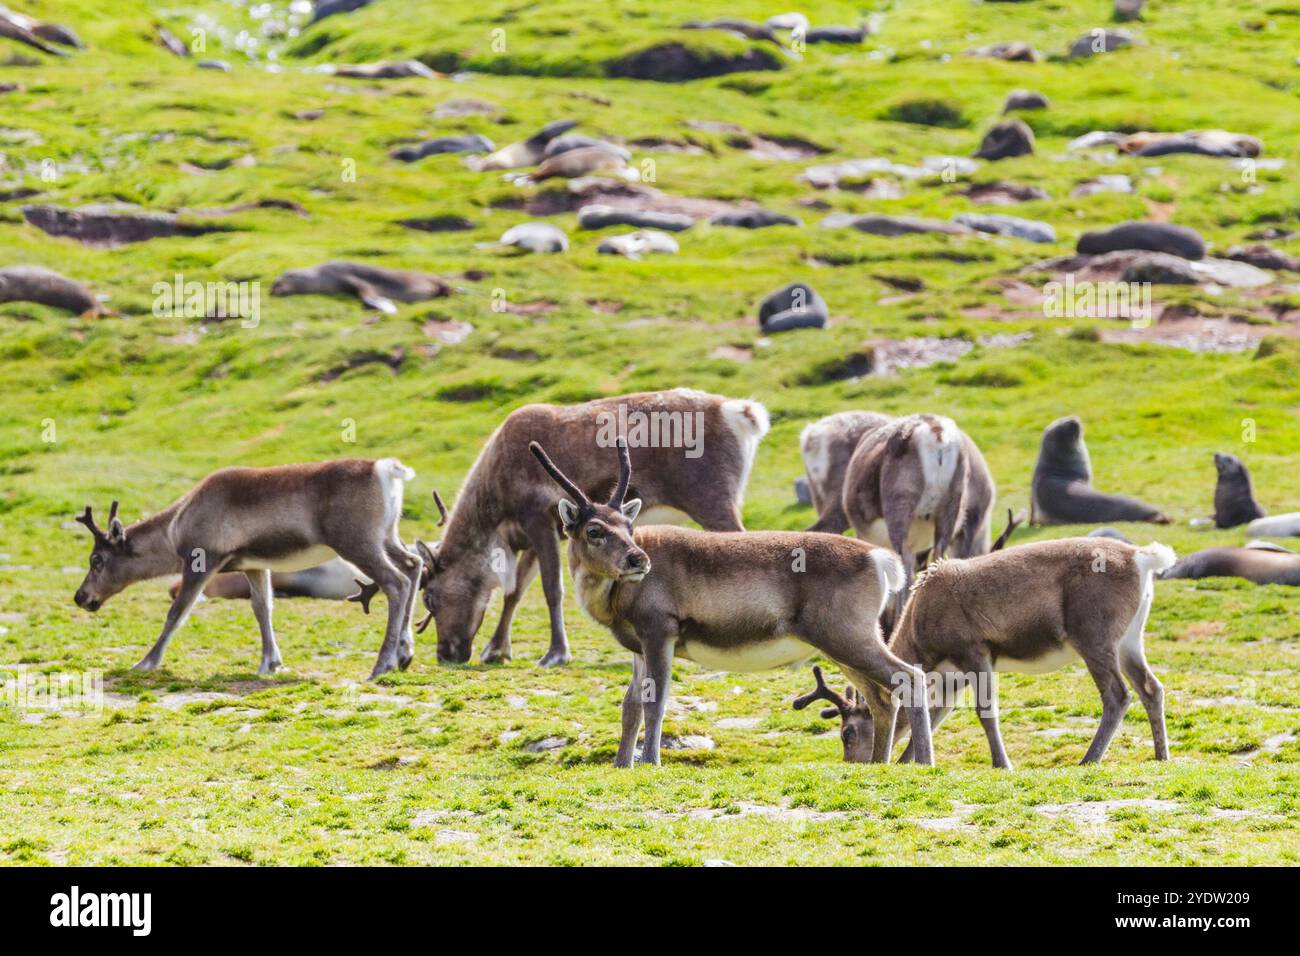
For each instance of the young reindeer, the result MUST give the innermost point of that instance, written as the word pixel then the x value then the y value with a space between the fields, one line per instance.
pixel 259 520
pixel 1033 609
pixel 741 601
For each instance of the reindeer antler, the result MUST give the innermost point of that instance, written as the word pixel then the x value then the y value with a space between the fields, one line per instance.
pixel 624 475
pixel 442 508
pixel 420 628
pixel 1012 523
pixel 560 478
pixel 87 518
pixel 822 692
pixel 364 596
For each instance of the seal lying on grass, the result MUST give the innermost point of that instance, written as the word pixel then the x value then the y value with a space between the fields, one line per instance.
pixel 1062 484
pixel 1258 562
pixel 373 285
pixel 35 284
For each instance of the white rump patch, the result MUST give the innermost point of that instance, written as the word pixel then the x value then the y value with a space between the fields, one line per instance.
pixel 392 475
pixel 748 422
pixel 939 455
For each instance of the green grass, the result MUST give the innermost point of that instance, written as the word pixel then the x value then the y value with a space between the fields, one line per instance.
pixel 317 766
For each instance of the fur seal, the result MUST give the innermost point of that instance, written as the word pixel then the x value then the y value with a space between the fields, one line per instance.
pixel 39 36
pixel 465 143
pixel 535 237
pixel 795 306
pixel 598 216
pixel 1234 494
pixel 1276 526
pixel 754 219
pixel 583 161
pixel 1062 491
pixel 529 152
pixel 1152 236
pixel 1025 100
pixel 35 284
pixel 633 245
pixel 563 144
pixel 1107 532
pixel 1009 138
pixel 373 285
pixel 1262 565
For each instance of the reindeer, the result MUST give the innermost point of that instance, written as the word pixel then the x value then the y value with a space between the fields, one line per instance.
pixel 693 452
pixel 1030 609
pixel 743 601
pixel 919 483
pixel 882 482
pixel 260 520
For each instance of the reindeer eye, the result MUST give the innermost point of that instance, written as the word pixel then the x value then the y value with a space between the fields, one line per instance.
pixel 595 534
pixel 847 733
pixel 96 561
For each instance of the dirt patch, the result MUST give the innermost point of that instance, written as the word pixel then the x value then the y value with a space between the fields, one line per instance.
pixel 743 809
pixel 732 353
pixel 391 359
pixel 438 224
pixel 447 331
pixel 1096 813
pixel 597 191
pixel 183 698
pixel 1199 334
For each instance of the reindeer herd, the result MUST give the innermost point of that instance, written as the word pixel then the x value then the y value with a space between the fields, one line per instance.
pixel 909 641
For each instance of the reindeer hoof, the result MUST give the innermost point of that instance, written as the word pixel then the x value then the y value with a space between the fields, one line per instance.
pixel 146 665
pixel 380 670
pixel 494 655
pixel 404 661
pixel 555 658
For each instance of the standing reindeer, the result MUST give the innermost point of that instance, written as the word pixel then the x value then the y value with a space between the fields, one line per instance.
pixel 743 601
pixel 1030 609
pixel 693 452
pixel 259 520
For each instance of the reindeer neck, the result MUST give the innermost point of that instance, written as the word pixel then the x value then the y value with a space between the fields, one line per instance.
pixel 474 518
pixel 153 553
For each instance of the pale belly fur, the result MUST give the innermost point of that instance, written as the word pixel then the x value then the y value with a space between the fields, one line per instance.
pixel 920 536
pixel 309 558
pixel 1051 661
pixel 766 655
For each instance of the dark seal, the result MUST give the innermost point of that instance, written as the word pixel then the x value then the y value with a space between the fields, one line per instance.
pixel 1260 565
pixel 1234 495
pixel 1062 484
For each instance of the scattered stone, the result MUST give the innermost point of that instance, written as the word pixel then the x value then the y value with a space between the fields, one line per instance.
pixel 837 34
pixel 1025 100
pixel 1002 193
pixel 546 744
pixel 687 742
pixel 1007 139
pixel 110 225
pixel 674 62
pixel 738 723
pixel 460 108
pixel 171 42
pixel 445 837
pixel 1128 9
pixel 1153 236
pixel 384 70
pixel 795 306
pixel 1100 41
pixel 1015 51
pixel 634 245
pixel 754 219
pixel 835 175
pixel 221 66
pixel 539 237
pixel 1109 183
pixel 1028 229
pixel 467 143
pixel 730 353
pixel 439 224
pixel 1264 256
pixel 598 216
pixel 447 331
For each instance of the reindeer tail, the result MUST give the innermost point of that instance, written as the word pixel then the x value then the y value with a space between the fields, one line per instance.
pixel 890 573
pixel 1154 558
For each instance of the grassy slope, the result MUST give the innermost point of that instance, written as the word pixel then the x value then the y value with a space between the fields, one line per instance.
pixel 304 769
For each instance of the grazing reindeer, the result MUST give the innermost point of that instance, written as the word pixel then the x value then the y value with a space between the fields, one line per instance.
pixel 919 483
pixel 259 520
pixel 742 601
pixel 693 452
pixel 1033 609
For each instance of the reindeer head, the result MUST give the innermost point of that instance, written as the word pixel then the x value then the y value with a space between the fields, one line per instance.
pixel 110 569
pixel 601 534
pixel 856 725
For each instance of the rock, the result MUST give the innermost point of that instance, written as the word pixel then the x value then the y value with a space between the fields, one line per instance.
pixel 1264 256
pixel 687 742
pixel 1162 268
pixel 802 492
pixel 600 216
pixel 1241 275
pixel 221 66
pixel 754 219
pixel 467 143
pixel 110 225
pixel 546 744
pixel 172 43
pixel 673 62
pixel 636 244
pixel 1028 229
pixel 1100 41
pixel 536 237
pixel 837 34
pixel 1159 268
pixel 1008 138
pixel 1153 236
pixel 328 8
pixel 1110 183
pixel 1128 9
pixel 1002 194
pixel 856 170
pixel 795 306
pixel 445 223
pixel 384 70
pixel 1025 100
pixel 1015 51
pixel 879 225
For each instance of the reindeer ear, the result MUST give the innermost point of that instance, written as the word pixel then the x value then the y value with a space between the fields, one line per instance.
pixel 631 509
pixel 568 514
pixel 426 554
pixel 116 532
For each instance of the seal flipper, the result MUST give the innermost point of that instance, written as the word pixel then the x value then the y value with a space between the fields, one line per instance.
pixel 369 294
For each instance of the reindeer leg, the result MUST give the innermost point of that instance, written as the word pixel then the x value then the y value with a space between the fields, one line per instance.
pixel 986 706
pixel 192 584
pixel 871 662
pixel 631 714
pixel 1103 665
pixel 497 650
pixel 546 547
pixel 259 591
pixel 657 651
pixel 396 587
pixel 410 563
pixel 1150 691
